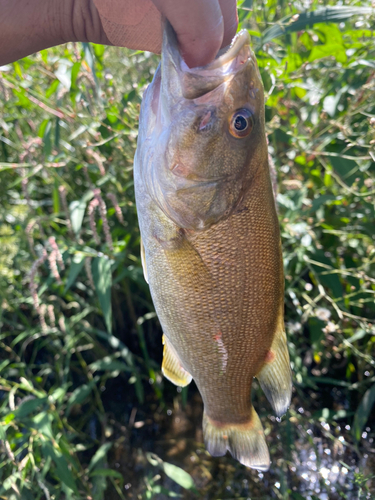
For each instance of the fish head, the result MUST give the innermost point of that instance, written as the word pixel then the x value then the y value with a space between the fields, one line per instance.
pixel 208 139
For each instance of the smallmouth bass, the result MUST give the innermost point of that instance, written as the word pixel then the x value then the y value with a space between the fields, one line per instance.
pixel 211 249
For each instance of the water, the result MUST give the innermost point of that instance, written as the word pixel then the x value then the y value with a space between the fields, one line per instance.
pixel 311 459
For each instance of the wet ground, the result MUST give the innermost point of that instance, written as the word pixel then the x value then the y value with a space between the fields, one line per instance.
pixel 311 458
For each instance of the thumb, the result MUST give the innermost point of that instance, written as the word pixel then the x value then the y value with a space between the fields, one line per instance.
pixel 199 27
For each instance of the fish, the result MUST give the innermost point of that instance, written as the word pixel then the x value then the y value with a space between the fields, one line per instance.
pixel 210 241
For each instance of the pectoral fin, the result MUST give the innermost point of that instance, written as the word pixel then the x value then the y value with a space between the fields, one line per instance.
pixel 194 272
pixel 275 377
pixel 143 260
pixel 172 368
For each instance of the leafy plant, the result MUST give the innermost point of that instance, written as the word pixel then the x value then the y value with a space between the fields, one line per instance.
pixel 84 411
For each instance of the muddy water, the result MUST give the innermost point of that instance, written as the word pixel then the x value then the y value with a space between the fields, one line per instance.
pixel 311 458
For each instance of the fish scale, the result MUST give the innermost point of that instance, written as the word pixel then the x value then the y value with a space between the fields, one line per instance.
pixel 210 242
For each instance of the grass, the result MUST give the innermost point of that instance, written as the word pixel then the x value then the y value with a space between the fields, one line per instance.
pixel 84 410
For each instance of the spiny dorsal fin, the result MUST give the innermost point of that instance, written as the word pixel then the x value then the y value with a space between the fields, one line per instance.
pixel 275 377
pixel 172 368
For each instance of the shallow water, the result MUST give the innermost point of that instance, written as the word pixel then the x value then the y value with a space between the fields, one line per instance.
pixel 311 459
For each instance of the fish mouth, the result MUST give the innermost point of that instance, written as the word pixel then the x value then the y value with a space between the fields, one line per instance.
pixel 193 185
pixel 180 170
pixel 185 179
pixel 195 82
pixel 238 51
pixel 196 185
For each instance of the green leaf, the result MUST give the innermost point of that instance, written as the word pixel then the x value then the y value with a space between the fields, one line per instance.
pixel 11 482
pixel 4 364
pixel 327 414
pixel 328 381
pixel 108 364
pixel 75 71
pixel 80 394
pixel 98 50
pixel 297 496
pixel 98 474
pixel 157 489
pixel 285 201
pixel 44 54
pixel 332 44
pixel 47 139
pixel 107 473
pixel 78 261
pixel 363 412
pixel 18 70
pixel 358 335
pixel 316 331
pixel 179 476
pixel 29 406
pixel 102 275
pixel 55 198
pixel 77 211
pixel 42 128
pixel 347 169
pixel 115 343
pixel 43 423
pixel 333 49
pixel 100 455
pixel 299 22
pixel 3 435
pixel 52 88
pixel 332 281
pixel 57 395
pixel 62 470
pixel 319 201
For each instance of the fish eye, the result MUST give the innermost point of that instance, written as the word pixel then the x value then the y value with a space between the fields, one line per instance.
pixel 241 123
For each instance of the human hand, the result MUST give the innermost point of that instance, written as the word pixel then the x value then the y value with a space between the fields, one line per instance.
pixel 202 26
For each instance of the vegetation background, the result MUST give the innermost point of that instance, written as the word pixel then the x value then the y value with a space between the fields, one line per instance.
pixel 84 411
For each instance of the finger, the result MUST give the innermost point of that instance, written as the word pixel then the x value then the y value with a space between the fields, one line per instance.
pixel 230 16
pixel 135 24
pixel 199 27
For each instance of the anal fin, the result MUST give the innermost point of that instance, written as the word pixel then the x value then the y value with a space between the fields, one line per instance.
pixel 171 366
pixel 275 377
pixel 245 442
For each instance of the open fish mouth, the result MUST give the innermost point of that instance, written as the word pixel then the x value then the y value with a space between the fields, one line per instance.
pixel 228 60
pixel 195 82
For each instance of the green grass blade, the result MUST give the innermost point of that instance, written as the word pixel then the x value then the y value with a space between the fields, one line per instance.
pixel 74 270
pixel 102 275
pixel 298 22
pixel 363 412
pixel 100 455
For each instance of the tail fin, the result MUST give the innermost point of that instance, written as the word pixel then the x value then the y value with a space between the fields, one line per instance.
pixel 246 442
